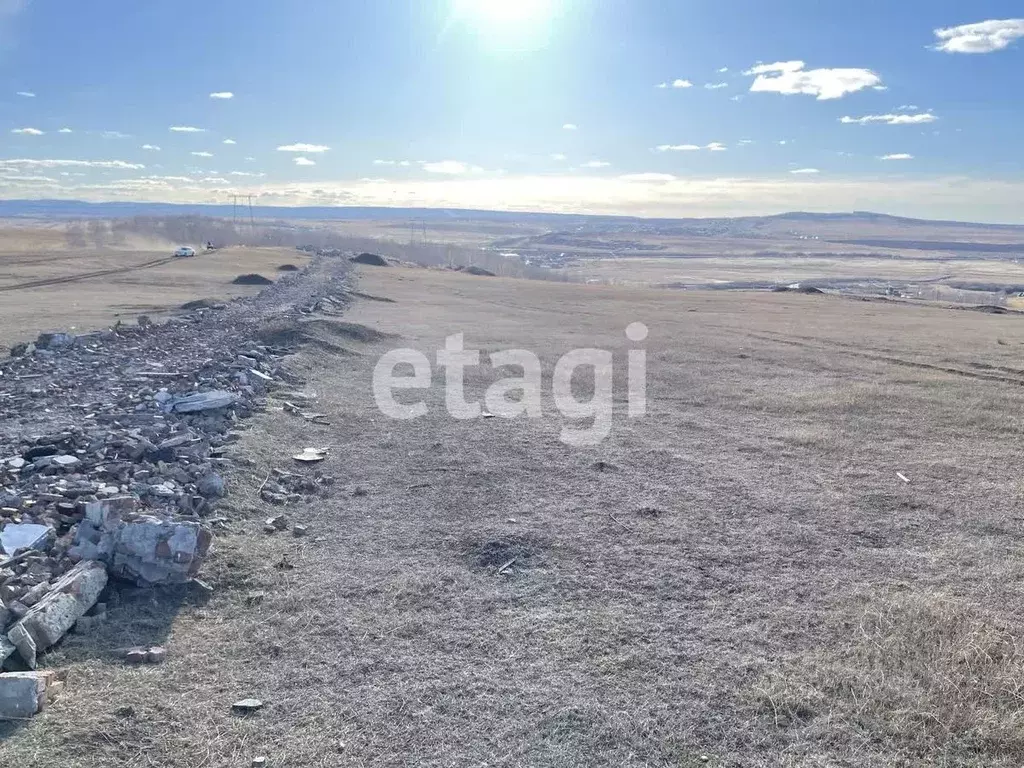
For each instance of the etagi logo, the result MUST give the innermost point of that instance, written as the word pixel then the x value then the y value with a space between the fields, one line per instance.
pixel 525 389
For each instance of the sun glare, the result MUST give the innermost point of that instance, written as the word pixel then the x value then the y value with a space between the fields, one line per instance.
pixel 505 18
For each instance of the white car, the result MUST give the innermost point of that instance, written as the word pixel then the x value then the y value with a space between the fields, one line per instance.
pixel 185 251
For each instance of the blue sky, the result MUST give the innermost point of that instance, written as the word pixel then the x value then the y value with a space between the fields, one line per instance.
pixel 646 107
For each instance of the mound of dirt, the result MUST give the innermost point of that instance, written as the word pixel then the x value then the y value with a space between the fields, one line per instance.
pixel 288 268
pixel 252 279
pixel 989 309
pixel 475 270
pixel 371 259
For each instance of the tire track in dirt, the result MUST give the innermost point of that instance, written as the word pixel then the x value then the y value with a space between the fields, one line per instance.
pixel 848 349
pixel 86 275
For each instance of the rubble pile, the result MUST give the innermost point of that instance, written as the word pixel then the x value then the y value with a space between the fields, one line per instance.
pixel 112 451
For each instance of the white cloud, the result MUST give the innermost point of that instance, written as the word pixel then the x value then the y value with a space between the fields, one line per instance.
pixel 26 94
pixel 28 131
pixel 246 173
pixel 186 129
pixel 229 141
pixel 304 161
pixel 303 148
pixel 152 147
pixel 595 164
pixel 250 159
pixel 715 86
pixel 907 108
pixel 570 127
pixel 714 146
pixel 891 119
pixel 65 130
pixel 744 142
pixel 790 77
pixel 805 170
pixel 647 177
pixel 981 37
pixel 558 156
pixel 222 95
pixel 214 180
pixel 114 135
pixel 402 163
pixel 682 84
pixel 202 154
pixel 661 85
pixel 723 70
pixel 450 167
pixel 104 164
pixel 897 156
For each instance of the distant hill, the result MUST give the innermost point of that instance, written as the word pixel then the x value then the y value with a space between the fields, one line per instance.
pixel 78 209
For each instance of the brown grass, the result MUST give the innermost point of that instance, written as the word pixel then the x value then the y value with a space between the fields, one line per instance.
pixel 744 581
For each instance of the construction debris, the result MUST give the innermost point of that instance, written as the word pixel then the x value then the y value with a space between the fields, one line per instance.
pixel 311 455
pixel 48 620
pixel 24 694
pixel 113 450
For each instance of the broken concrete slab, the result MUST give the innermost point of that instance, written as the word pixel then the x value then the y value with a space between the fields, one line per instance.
pixel 48 621
pixel 24 694
pixel 202 401
pixel 15 536
pixel 155 551
pixel 144 549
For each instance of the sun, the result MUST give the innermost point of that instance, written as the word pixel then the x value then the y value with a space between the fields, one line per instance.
pixel 503 11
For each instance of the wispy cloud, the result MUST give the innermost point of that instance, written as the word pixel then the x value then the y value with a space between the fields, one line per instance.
pixel 558 156
pixel 202 154
pixel 981 37
pixel 662 85
pixel 714 146
pixel 26 94
pixel 570 127
pixel 65 130
pixel 151 147
pixel 897 156
pixel 680 83
pixel 450 167
pixel 402 163
pixel 303 148
pixel 28 131
pixel 723 70
pixel 229 141
pixel 186 129
pixel 246 173
pixel 891 119
pixel 790 78
pixel 222 95
pixel 715 86
pixel 304 161
pixel 805 170
pixel 595 164
pixel 104 164
pixel 907 108
pixel 114 135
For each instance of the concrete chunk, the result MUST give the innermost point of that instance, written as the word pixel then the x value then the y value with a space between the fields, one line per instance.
pixel 15 536
pixel 24 694
pixel 203 401
pixel 47 621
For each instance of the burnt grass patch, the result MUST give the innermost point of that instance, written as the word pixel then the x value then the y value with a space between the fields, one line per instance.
pixel 491 554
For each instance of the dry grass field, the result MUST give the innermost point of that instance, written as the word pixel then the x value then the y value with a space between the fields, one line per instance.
pixel 46 285
pixel 742 578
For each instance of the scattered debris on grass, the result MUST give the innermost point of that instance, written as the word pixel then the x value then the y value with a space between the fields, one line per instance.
pixel 112 451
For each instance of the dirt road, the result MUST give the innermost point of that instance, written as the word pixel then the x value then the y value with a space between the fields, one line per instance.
pixel 740 578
